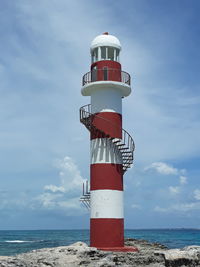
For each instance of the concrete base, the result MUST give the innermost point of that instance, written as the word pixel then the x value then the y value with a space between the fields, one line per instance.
pixel 120 249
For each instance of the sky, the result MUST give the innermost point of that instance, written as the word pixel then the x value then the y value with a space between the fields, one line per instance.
pixel 44 150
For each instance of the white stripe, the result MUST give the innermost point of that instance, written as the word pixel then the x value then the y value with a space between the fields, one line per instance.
pixel 89 88
pixel 109 100
pixel 104 151
pixel 107 204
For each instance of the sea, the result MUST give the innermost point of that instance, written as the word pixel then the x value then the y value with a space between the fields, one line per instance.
pixel 13 242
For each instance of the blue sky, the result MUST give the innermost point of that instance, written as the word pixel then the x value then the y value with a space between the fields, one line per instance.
pixel 45 150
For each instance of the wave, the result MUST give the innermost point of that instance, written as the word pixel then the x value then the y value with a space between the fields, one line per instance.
pixel 18 241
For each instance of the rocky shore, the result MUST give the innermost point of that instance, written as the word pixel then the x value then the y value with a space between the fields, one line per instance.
pixel 79 254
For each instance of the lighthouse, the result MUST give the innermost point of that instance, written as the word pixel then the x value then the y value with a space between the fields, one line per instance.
pixel 111 147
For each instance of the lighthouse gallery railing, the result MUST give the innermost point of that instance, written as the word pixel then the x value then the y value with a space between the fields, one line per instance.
pixel 106 74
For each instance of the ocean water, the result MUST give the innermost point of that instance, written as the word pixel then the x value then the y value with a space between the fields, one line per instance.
pixel 14 242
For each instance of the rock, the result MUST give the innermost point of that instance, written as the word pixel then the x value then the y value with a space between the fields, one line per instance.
pixel 188 256
pixel 79 254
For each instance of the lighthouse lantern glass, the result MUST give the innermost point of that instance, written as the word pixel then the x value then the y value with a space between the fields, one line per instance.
pixel 105 53
pixel 117 55
pixel 95 55
pixel 111 53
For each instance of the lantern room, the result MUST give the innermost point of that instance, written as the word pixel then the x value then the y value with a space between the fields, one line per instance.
pixel 105 47
pixel 105 56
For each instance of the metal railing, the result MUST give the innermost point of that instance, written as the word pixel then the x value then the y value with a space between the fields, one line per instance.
pixel 124 144
pixel 106 74
pixel 85 198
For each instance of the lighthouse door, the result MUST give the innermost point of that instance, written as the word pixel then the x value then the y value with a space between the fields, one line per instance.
pixel 105 73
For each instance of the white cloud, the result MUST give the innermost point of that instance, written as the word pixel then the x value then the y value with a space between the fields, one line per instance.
pixel 183 180
pixel 183 207
pixel 18 201
pixel 66 195
pixel 49 200
pixel 70 204
pixel 162 168
pixel 136 206
pixel 174 190
pixel 183 171
pixel 188 206
pixel 159 209
pixel 58 201
pixel 70 177
pixel 54 188
pixel 197 194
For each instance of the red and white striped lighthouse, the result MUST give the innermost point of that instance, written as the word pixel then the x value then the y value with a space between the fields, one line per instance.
pixel 111 146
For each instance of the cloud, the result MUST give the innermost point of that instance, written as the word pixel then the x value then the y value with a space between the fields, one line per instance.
pixel 174 190
pixel 40 60
pixel 159 209
pixel 48 200
pixel 183 180
pixel 136 206
pixel 15 201
pixel 66 195
pixel 54 188
pixel 197 194
pixel 183 207
pixel 162 168
pixel 70 177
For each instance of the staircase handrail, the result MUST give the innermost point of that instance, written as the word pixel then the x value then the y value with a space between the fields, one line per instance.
pixel 126 137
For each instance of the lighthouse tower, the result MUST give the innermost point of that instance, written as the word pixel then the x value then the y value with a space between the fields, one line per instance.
pixel 111 146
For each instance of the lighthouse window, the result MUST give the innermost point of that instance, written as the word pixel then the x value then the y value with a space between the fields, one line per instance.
pixel 103 52
pixel 95 55
pixel 117 55
pixel 111 53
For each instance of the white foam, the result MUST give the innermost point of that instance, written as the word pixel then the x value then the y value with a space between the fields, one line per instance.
pixel 17 241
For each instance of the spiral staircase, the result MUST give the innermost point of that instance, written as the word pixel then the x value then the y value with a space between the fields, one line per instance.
pixel 124 146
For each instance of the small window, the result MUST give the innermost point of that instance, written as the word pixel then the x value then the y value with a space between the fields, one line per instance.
pixel 110 53
pixel 103 52
pixel 117 55
pixel 95 55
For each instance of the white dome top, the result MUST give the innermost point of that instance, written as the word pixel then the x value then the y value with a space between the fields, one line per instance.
pixel 105 40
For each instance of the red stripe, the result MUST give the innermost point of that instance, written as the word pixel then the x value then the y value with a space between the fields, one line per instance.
pixel 106 63
pixel 109 123
pixel 106 233
pixel 106 176
pixel 107 69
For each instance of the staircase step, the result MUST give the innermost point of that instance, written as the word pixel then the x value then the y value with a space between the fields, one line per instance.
pixel 125 148
pixel 117 141
pixel 120 144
